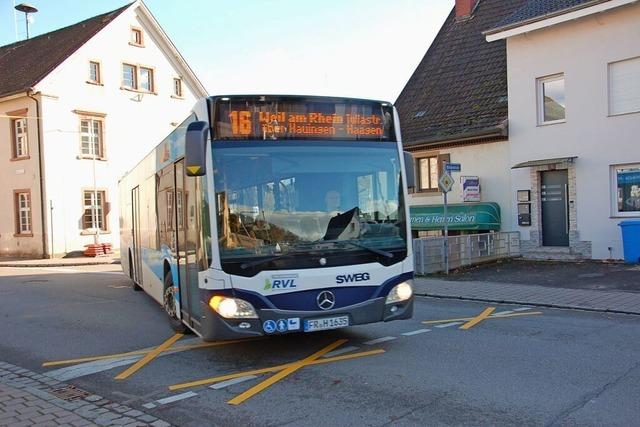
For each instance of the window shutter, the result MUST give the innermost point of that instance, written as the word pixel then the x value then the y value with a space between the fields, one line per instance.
pixel 624 86
pixel 442 158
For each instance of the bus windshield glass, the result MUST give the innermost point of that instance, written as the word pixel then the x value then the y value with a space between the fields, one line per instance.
pixel 279 203
pixel 275 118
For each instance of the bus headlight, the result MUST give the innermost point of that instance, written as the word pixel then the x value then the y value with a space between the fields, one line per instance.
pixel 232 308
pixel 400 292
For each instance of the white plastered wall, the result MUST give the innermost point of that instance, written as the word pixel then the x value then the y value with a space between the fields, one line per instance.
pixel 488 161
pixel 582 50
pixel 134 123
pixel 19 175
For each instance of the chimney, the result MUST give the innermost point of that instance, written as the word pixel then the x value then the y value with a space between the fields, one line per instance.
pixel 464 8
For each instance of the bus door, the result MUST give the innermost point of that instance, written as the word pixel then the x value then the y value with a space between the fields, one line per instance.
pixel 187 236
pixel 136 271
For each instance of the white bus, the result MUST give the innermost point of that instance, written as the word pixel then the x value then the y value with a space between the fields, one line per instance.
pixel 263 215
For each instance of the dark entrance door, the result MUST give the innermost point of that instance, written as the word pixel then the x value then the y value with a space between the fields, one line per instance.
pixel 555 209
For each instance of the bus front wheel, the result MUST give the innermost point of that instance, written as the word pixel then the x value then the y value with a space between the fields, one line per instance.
pixel 169 303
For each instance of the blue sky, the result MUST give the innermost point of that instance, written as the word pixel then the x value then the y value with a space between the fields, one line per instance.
pixel 360 48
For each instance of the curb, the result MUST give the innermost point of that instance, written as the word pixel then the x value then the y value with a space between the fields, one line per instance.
pixel 534 304
pixel 68 264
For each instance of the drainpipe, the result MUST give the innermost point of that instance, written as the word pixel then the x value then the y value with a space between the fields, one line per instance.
pixel 43 206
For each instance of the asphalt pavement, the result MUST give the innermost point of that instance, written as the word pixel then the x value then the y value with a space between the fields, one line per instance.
pixel 471 362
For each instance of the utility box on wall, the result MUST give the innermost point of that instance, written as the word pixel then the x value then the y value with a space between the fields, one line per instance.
pixel 524 208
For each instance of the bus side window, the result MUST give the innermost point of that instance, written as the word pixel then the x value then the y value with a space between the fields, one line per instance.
pixel 166 207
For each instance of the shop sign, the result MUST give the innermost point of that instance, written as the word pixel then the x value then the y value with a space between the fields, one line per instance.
pixel 470 188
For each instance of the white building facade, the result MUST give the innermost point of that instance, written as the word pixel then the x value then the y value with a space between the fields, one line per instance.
pixel 574 121
pixel 77 129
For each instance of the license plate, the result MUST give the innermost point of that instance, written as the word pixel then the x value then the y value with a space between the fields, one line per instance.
pixel 326 323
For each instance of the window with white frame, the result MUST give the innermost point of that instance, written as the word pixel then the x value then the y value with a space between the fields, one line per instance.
pixel 94 72
pixel 94 216
pixel 20 140
pixel 23 212
pixel 626 189
pixel 551 99
pixel 624 86
pixel 91 137
pixel 129 76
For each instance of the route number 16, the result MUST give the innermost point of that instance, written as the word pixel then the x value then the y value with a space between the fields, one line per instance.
pixel 240 122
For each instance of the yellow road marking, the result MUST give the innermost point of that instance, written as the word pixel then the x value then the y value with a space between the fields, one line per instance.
pixel 283 373
pixel 464 319
pixel 148 358
pixel 271 369
pixel 479 318
pixel 175 349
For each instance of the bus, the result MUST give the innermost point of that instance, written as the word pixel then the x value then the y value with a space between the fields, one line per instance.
pixel 264 215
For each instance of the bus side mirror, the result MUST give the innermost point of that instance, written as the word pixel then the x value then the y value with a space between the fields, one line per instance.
pixel 409 166
pixel 195 147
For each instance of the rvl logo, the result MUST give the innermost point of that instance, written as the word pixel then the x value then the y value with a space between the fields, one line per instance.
pixel 280 284
pixel 357 277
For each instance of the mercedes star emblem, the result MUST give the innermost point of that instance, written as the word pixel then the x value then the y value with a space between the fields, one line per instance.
pixel 326 300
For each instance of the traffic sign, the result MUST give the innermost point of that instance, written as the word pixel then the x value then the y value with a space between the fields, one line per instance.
pixel 452 167
pixel 445 182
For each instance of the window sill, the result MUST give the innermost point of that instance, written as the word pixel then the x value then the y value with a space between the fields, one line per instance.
pixel 130 89
pixel 177 97
pixel 94 83
pixel 93 233
pixel 554 122
pixel 17 159
pixel 623 216
pixel 83 157
pixel 427 193
pixel 136 44
pixel 22 234
pixel 623 114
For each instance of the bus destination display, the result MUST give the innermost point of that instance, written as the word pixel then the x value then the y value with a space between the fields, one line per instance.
pixel 304 120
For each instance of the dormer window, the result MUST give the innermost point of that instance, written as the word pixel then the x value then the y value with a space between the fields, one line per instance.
pixel 136 37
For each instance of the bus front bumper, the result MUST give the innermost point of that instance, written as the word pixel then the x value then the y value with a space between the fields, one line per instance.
pixel 215 327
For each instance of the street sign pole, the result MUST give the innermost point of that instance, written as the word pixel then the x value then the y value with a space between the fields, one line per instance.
pixel 446 236
pixel 446 183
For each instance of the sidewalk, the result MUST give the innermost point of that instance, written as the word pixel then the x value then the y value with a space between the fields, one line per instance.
pixel 31 399
pixel 584 299
pixel 59 262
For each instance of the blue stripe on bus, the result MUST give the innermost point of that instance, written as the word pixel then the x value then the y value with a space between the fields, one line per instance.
pixel 155 259
pixel 306 300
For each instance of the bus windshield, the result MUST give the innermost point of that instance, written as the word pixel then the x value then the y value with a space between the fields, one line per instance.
pixel 285 204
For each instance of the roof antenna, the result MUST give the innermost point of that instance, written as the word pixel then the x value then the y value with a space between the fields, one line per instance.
pixel 27 9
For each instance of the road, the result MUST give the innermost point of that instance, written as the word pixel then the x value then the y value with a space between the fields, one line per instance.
pixel 513 365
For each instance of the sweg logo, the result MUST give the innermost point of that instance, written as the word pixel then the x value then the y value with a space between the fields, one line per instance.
pixel 357 277
pixel 280 283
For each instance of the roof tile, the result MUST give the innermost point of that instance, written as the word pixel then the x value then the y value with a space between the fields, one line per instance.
pixel 26 62
pixel 536 8
pixel 461 83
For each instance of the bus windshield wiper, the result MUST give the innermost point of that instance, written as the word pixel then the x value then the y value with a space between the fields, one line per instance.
pixel 360 245
pixel 246 265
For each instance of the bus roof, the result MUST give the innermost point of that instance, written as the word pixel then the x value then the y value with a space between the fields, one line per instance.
pixel 297 97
